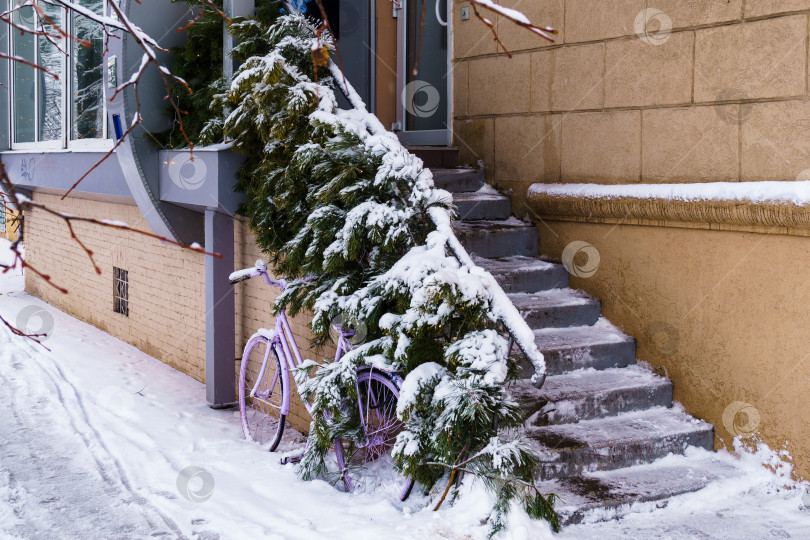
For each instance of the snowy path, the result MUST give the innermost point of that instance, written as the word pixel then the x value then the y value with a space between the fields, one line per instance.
pixel 95 433
pixel 41 468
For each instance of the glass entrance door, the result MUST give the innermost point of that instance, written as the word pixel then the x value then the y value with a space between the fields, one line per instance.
pixel 423 75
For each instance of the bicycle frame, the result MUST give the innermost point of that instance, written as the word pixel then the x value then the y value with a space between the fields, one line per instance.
pixel 283 341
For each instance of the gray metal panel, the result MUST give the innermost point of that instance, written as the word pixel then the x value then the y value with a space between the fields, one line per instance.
pixel 233 8
pixel 137 155
pixel 356 30
pixel 229 164
pixel 434 137
pixel 204 178
pixel 220 320
pixel 58 171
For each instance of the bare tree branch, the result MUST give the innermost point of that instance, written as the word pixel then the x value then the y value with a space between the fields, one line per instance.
pixel 17 204
pixel 33 337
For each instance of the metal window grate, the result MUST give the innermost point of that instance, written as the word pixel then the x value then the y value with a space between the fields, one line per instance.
pixel 121 291
pixel 5 204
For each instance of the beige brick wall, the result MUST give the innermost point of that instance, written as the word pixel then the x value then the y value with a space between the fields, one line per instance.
pixel 723 96
pixel 254 304
pixel 10 229
pixel 166 287
pixel 166 295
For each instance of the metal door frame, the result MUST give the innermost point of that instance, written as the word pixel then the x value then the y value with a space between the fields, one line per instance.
pixel 434 137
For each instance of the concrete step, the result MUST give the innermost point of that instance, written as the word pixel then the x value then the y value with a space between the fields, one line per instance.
pixel 557 308
pixel 585 394
pixel 606 495
pixel 604 429
pixel 459 180
pixel 617 441
pixel 601 346
pixel 496 239
pixel 486 203
pixel 525 274
pixel 436 156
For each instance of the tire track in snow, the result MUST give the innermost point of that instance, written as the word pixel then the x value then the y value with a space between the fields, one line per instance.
pixel 72 406
pixel 50 491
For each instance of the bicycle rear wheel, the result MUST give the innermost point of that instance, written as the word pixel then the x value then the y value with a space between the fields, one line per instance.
pixel 368 465
pixel 263 386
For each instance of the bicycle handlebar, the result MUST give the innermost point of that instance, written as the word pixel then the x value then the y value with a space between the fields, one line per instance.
pixel 259 269
pixel 242 275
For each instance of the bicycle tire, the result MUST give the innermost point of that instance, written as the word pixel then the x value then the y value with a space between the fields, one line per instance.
pixel 261 417
pixel 381 425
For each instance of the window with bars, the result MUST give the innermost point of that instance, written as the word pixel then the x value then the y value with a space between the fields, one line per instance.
pixel 121 291
pixel 5 204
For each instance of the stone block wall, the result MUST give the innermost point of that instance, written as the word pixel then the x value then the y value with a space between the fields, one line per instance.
pixel 636 91
pixel 665 91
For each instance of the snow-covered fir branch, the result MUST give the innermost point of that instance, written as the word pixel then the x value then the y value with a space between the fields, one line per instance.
pixel 332 195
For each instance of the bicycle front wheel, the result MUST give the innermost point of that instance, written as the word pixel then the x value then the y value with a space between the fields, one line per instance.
pixel 367 465
pixel 263 388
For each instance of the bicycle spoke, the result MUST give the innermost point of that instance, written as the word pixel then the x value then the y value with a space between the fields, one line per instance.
pixel 260 377
pixel 369 465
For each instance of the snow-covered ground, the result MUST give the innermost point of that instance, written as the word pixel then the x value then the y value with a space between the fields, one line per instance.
pixel 99 440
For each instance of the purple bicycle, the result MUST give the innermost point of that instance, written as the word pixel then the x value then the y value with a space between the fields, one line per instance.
pixel 265 393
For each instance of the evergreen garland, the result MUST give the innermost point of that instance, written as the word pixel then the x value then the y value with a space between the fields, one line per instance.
pixel 346 215
pixel 199 62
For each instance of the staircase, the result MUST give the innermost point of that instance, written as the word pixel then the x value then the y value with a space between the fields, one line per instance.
pixel 601 424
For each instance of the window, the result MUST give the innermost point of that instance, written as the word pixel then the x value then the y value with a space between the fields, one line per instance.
pixel 87 77
pixel 121 291
pixel 69 111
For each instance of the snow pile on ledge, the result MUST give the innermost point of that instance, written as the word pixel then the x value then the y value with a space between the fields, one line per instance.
pixel 797 192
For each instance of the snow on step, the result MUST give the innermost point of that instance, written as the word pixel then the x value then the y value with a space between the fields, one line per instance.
pixel 486 203
pixel 458 180
pixel 558 308
pixel 604 495
pixel 525 274
pixel 494 239
pixel 586 394
pixel 600 346
pixel 599 420
pixel 617 441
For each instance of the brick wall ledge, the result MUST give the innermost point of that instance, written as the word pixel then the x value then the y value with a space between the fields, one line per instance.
pixel 760 207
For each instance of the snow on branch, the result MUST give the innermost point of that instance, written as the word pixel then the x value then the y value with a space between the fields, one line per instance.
pixel 517 17
pixel 118 22
pixel 148 46
pixel 16 204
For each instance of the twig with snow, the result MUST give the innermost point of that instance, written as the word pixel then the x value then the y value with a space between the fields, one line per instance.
pixel 16 203
pixel 517 17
